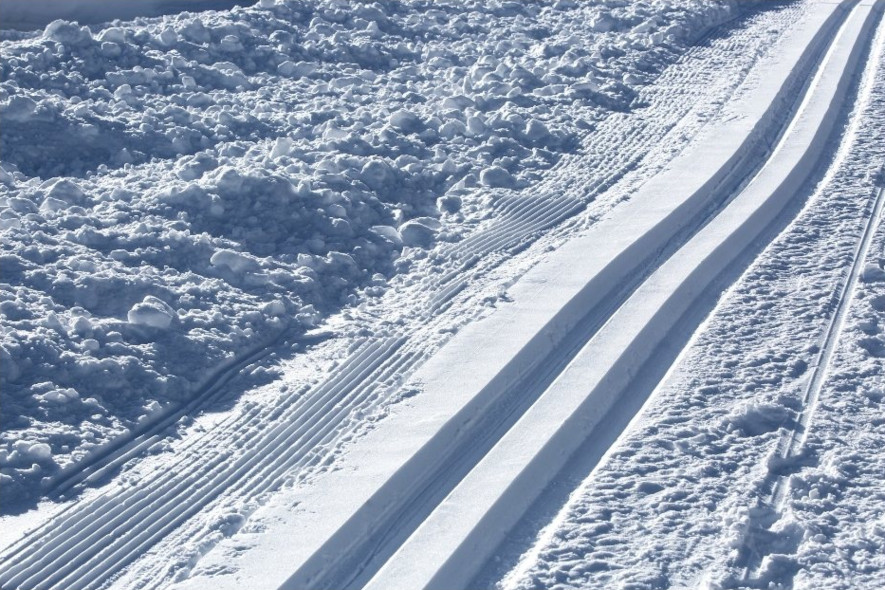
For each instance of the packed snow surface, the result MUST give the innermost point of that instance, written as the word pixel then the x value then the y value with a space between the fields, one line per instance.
pixel 318 270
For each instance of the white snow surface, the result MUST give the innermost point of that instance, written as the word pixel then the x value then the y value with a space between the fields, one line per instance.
pixel 442 294
pixel 180 189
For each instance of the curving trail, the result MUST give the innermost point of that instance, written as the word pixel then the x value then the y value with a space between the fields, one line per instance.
pixel 506 401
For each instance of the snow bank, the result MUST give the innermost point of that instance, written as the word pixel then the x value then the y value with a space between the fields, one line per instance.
pixel 178 190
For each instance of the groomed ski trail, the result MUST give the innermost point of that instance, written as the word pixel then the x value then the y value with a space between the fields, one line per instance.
pixel 374 371
pixel 335 560
pixel 462 533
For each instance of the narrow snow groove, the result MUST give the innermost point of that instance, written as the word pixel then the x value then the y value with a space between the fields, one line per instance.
pixel 790 447
pixel 795 438
pixel 298 444
pixel 521 218
pixel 363 352
pixel 263 482
pixel 417 488
pixel 99 462
pixel 521 210
pixel 548 215
pixel 460 534
pixel 253 485
pixel 68 548
pixel 71 518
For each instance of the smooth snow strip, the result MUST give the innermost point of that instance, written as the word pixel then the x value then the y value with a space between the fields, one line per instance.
pixel 493 356
pixel 460 535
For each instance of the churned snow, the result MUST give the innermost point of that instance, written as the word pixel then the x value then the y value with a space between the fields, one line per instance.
pixel 179 189
pixel 30 14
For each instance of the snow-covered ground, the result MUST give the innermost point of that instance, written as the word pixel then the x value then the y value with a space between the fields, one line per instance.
pixel 135 266
pixel 335 271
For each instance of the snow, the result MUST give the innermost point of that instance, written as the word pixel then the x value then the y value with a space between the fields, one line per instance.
pixel 152 312
pixel 128 149
pixel 336 271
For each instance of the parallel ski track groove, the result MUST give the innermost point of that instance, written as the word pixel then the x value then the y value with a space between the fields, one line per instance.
pixel 369 358
pixel 791 444
pixel 772 490
pixel 353 568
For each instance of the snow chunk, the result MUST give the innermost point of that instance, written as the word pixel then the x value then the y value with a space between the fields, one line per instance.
pixel 67 33
pixel 376 174
pixel 58 396
pixel 449 203
pixel 406 121
pixel 458 103
pixel 420 232
pixel 497 177
pixel 112 35
pixel 281 147
pixel 603 23
pixel 235 261
pixel 536 131
pixel 152 312
pixel 62 195
pixel 274 308
pixel 873 274
pixel 299 69
pixel 19 109
pixel 67 191
pixel 37 451
pixel 757 418
pixel 389 233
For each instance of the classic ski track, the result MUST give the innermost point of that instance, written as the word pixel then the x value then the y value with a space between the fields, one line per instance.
pixel 448 563
pixel 317 572
pixel 791 444
pixel 363 375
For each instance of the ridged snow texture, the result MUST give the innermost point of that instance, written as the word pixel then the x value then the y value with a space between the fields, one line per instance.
pixel 176 191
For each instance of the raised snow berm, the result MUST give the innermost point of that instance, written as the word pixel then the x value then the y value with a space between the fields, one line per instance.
pixel 178 190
